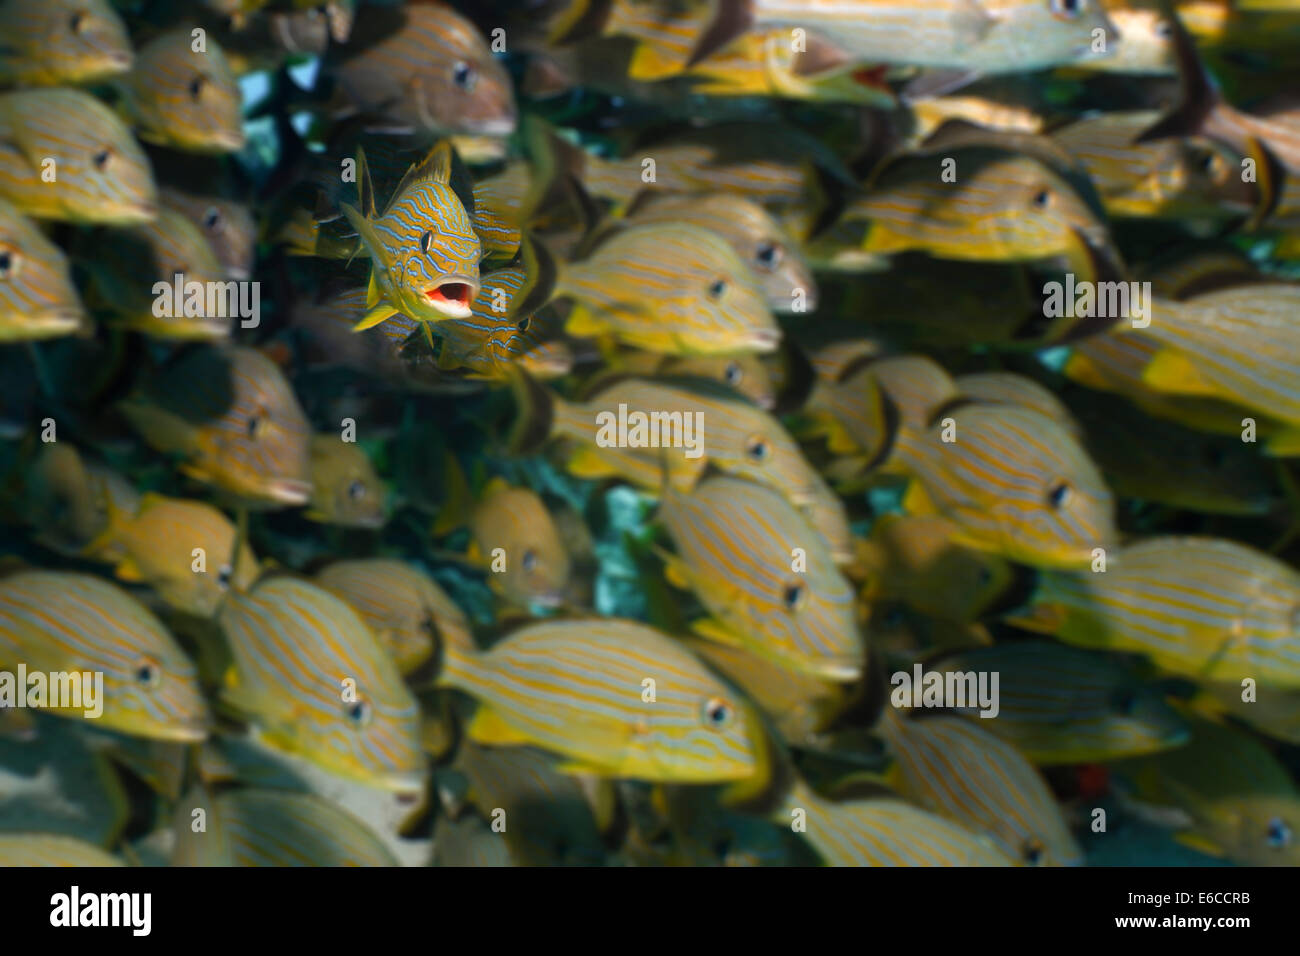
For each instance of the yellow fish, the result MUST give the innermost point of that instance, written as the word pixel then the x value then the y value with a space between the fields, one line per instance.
pixel 345 489
pixel 37 297
pixel 57 42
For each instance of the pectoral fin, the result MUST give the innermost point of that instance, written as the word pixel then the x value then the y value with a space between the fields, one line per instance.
pixel 486 727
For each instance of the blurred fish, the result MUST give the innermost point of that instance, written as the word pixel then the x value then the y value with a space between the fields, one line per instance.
pixel 1141 43
pixel 1270 710
pixel 965 773
pixel 404 607
pixel 67 499
pixel 423 249
pixel 1235 799
pixel 498 202
pixel 672 288
pixel 184 97
pixel 273 828
pixel 515 537
pixel 765 576
pixel 183 550
pixel 433 74
pixel 1009 388
pixel 233 420
pixel 345 489
pixel 48 849
pixel 593 676
pixel 57 42
pixel 228 226
pixel 315 682
pixel 62 621
pixel 1205 608
pixel 468 841
pixel 1061 705
pixel 37 297
pixel 64 155
pixel 883 831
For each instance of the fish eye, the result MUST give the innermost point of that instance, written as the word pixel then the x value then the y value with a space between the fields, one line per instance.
pixel 522 324
pixel 196 86
pixel 1067 9
pixel 1033 853
pixel 757 448
pixel 464 76
pixel 224 574
pixel 1058 494
pixel 1043 198
pixel 253 423
pixel 529 562
pixel 717 712
pixel 1279 834
pixel 769 255
pixel 211 218
pixel 426 242
pixel 792 595
pixel 356 489
pixel 733 373
pixel 101 159
pixel 147 672
pixel 8 262
pixel 77 21
pixel 716 288
pixel 358 713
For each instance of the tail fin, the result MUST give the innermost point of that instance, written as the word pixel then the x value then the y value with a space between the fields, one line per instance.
pixel 536 405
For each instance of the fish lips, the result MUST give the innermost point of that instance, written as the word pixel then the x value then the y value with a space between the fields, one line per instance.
pixel 452 296
pixel 288 491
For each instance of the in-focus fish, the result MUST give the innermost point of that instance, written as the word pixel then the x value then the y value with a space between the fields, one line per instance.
pixel 315 682
pixel 345 489
pixel 182 97
pixel 1206 608
pixel 403 606
pixel 579 689
pixel 232 418
pixel 57 42
pixel 183 550
pixel 673 288
pixel 967 774
pixel 515 537
pixel 765 575
pixel 67 622
pixel 1061 705
pixel 65 155
pixel 37 297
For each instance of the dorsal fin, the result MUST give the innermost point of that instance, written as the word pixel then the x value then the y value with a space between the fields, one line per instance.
pixel 365 189
pixel 435 167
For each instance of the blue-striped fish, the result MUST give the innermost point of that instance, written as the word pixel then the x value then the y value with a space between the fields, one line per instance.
pixel 617 698
pixel 1062 705
pixel 58 42
pixel 969 775
pixel 62 621
pixel 232 418
pixel 765 575
pixel 345 488
pixel 744 374
pixel 1206 608
pixel 498 202
pixel 315 682
pixel 1008 388
pixel 273 828
pixel 228 226
pixel 1013 481
pixel 423 249
pixel 183 550
pixel 99 172
pixel 51 849
pixel 37 297
pixel 882 831
pixel 670 288
pixel 434 73
pixel 514 536
pixel 184 98
pixel 402 605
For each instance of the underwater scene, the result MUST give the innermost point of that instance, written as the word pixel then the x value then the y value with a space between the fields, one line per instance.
pixel 649 433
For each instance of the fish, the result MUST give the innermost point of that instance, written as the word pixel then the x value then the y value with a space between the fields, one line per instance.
pixel 1205 608
pixel 37 297
pixel 498 201
pixel 1233 796
pixel 61 42
pixel 228 226
pixel 243 432
pixel 765 576
pixel 1009 388
pixel 249 827
pixel 315 682
pixel 468 841
pixel 184 551
pixel 51 849
pixel 593 675
pixel 402 605
pixel 345 489
pixel 672 288
pixel 183 97
pixel 100 174
pixel 515 537
pixel 1142 44
pixel 1013 481
pixel 433 74
pixel 744 374
pixel 958 770
pixel 852 412
pixel 66 621
pixel 1059 704
pixel 773 257
pixel 882 831
pixel 423 249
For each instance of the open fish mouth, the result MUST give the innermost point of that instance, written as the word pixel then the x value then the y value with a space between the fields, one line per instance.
pixel 452 297
pixel 764 340
pixel 289 491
